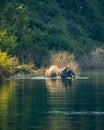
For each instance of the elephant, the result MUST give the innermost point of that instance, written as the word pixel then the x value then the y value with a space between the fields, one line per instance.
pixel 54 71
pixel 67 73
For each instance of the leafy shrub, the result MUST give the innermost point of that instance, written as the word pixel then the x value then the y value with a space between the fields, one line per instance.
pixel 24 68
pixel 7 65
pixel 63 59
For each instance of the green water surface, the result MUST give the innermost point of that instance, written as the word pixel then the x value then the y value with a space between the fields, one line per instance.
pixel 53 104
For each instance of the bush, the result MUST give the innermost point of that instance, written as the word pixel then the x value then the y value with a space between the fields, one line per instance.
pixel 24 68
pixel 7 65
pixel 63 59
pixel 98 58
pixel 94 60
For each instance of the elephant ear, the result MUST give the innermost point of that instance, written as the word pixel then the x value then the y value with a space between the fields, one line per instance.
pixel 63 73
pixel 67 70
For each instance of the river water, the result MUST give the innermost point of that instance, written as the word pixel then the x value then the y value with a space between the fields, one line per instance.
pixel 39 103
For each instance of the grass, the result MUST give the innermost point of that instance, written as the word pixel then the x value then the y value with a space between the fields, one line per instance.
pixel 64 59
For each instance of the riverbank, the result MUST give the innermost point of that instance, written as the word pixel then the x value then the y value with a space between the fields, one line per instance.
pixel 41 72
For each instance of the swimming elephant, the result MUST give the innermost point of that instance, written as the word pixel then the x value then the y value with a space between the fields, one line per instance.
pixel 67 73
pixel 54 71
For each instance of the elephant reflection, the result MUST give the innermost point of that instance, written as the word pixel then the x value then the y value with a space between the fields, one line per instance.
pixel 58 85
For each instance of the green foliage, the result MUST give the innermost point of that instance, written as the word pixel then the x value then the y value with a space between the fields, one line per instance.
pixel 30 29
pixel 83 46
pixel 7 43
pixel 25 69
pixel 7 64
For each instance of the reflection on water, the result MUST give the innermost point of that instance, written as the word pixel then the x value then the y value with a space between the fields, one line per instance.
pixel 38 103
pixel 81 113
pixel 58 85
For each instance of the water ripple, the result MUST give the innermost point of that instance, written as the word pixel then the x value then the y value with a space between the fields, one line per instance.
pixel 84 113
pixel 43 77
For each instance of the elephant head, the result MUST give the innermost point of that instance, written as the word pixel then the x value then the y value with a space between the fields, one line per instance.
pixel 52 71
pixel 67 72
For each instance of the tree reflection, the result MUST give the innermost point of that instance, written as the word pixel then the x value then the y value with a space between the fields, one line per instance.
pixel 7 90
pixel 23 105
pixel 6 93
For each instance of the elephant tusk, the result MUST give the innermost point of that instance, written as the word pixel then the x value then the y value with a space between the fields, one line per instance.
pixel 73 76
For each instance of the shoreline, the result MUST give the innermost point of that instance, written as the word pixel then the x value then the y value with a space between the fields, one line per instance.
pixel 41 72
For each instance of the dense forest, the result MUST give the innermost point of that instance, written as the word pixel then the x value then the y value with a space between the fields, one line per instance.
pixel 30 29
